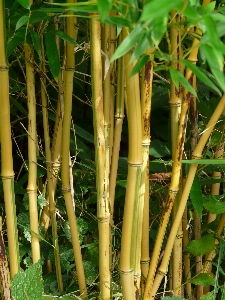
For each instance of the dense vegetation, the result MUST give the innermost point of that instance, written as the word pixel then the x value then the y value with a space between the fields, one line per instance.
pixel 112 149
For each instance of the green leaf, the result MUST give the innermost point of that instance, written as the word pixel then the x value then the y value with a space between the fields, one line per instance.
pixel 215 61
pixel 65 37
pixel 208 296
pixel 139 65
pixel 36 42
pixel 158 9
pixel 158 28
pixel 37 16
pixel 202 76
pixel 28 284
pixel 203 279
pixel 22 21
pixel 25 3
pixel 201 246
pixel 159 149
pixel 216 161
pixel 213 205
pixel 104 6
pixel 117 21
pixel 177 78
pixel 52 54
pixel 172 298
pixel 129 42
pixel 196 195
pixel 15 40
pixel 142 46
pixel 209 7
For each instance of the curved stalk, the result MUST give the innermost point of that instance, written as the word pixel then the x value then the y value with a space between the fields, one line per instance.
pixel 197 153
pixel 69 73
pixel 7 173
pixel 130 228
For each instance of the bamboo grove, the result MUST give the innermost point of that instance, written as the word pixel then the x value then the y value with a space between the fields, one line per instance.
pixel 112 148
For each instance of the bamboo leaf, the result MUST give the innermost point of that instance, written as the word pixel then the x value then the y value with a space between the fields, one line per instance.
pixel 215 61
pixel 37 16
pixel 15 40
pixel 52 54
pixel 209 7
pixel 142 46
pixel 104 6
pixel 25 3
pixel 203 279
pixel 208 296
pixel 213 205
pixel 196 195
pixel 139 65
pixel 216 161
pixel 201 246
pixel 65 37
pixel 202 76
pixel 117 21
pixel 129 42
pixel 36 42
pixel 22 21
pixel 157 9
pixel 91 8
pixel 177 78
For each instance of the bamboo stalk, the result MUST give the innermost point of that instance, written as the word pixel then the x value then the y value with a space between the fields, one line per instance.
pixel 32 157
pixel 66 187
pixel 50 187
pixel 7 173
pixel 103 213
pixel 129 228
pixel 146 96
pixel 197 153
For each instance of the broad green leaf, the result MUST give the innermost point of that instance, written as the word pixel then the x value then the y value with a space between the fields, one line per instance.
pixel 213 205
pixel 22 21
pixel 117 21
pixel 104 6
pixel 65 37
pixel 129 42
pixel 49 10
pixel 142 46
pixel 172 298
pixel 196 195
pixel 91 8
pixel 36 42
pixel 28 284
pixel 52 54
pixel 212 33
pixel 84 134
pixel 139 65
pixel 209 7
pixel 15 40
pixel 191 13
pixel 158 28
pixel 159 149
pixel 202 76
pixel 25 3
pixel 74 4
pixel 158 9
pixel 203 279
pixel 208 296
pixel 178 77
pixel 37 16
pixel 130 10
pixel 216 161
pixel 201 246
pixel 215 61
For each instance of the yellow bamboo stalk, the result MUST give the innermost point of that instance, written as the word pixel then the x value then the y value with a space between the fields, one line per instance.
pixel 197 153
pixel 103 213
pixel 7 173
pixel 146 96
pixel 175 108
pixel 66 187
pixel 129 229
pixel 32 158
pixel 50 187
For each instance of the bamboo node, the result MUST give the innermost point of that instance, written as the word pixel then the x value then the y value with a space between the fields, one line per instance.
pixel 103 220
pixel 173 191
pixel 128 272
pixel 162 273
pixel 179 236
pixel 31 191
pixel 177 104
pixel 69 68
pixel 196 156
pixel 3 177
pixel 4 68
pixel 145 262
pixel 66 189
pixel 137 275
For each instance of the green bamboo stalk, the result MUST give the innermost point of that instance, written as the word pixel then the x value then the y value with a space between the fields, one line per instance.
pixel 7 173
pixel 197 153
pixel 103 213
pixel 66 187
pixel 146 96
pixel 129 228
pixel 50 187
pixel 32 157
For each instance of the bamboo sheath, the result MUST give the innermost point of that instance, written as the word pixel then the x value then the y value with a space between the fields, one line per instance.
pixel 7 173
pixel 69 73
pixel 197 153
pixel 103 213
